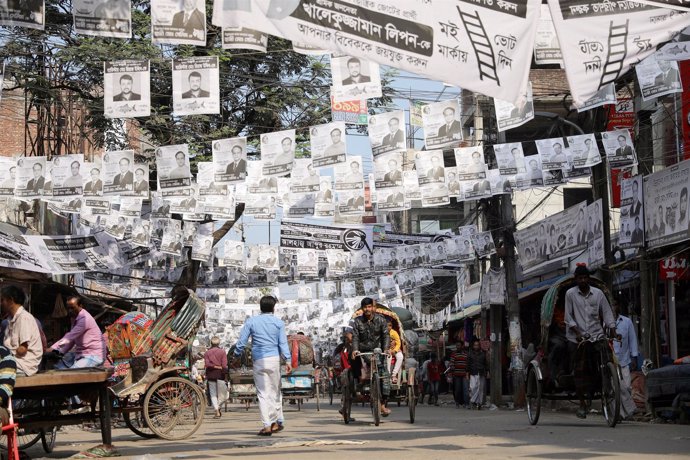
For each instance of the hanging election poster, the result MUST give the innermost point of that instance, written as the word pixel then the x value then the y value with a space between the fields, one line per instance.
pixel 30 177
pixel 475 189
pixel 619 149
pixel 189 231
pixel 353 239
pixel 361 263
pixel 307 262
pixel 196 89
pixel 631 231
pixel 411 185
pixel 499 184
pixel 487 46
pixel 116 225
pixel 470 163
pixel 386 133
pixel 348 176
pixel 605 96
pixel 351 112
pixel 304 177
pixel 230 160
pixel 553 177
pixel 552 154
pixel 93 185
pixel 351 202
pixel 600 41
pixel 29 13
pixel 434 194
pixel 430 167
pixel 103 18
pixel 126 89
pixel 262 207
pixel 141 232
pixel 178 23
pixel 328 145
pixel 388 170
pixel 2 78
pixel 8 175
pixel 277 152
pixel 117 174
pixel 666 205
pixel 534 177
pixel 202 247
pixel 172 166
pixel 658 77
pixel 299 205
pixel 354 79
pixel 546 47
pixel 242 38
pixel 338 262
pixel 391 199
pixel 510 115
pixel 483 243
pixel 141 180
pixel 348 289
pixel 233 254
pixel 388 286
pixel 583 151
pixel 66 177
pixel 130 206
pixel 171 242
pixel 454 187
pixel 324 203
pixel 510 159
pixel 442 125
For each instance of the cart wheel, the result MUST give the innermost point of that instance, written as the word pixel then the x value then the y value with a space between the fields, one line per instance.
pixel 174 408
pixel 318 390
pixel 375 398
pixel 533 394
pixel 48 437
pixel 347 402
pixel 25 438
pixel 137 424
pixel 330 392
pixel 610 394
pixel 411 402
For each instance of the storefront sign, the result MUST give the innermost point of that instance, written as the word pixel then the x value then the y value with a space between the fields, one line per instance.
pixel 674 268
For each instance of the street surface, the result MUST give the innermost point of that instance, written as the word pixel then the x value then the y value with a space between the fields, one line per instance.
pixel 439 433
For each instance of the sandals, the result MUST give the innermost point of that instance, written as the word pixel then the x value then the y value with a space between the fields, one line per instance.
pixel 385 412
pixel 266 431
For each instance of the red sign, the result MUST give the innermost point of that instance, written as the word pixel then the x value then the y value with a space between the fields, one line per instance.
pixel 685 104
pixel 674 268
pixel 621 116
pixel 354 112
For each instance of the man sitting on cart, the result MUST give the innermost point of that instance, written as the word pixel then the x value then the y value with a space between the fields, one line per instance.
pixel 370 331
pixel 585 307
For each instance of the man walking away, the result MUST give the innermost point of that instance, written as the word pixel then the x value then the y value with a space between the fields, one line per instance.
pixel 216 363
pixel 626 351
pixel 433 371
pixel 458 365
pixel 424 378
pixel 269 344
pixel 477 368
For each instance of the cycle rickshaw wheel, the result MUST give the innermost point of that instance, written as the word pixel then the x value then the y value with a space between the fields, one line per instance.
pixel 48 437
pixel 174 408
pixel 136 422
pixel 610 394
pixel 411 403
pixel 533 393
pixel 375 396
pixel 330 392
pixel 347 404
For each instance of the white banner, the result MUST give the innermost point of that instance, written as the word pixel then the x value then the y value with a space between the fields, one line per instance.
pixel 178 23
pixel 666 205
pixel 196 89
pixel 103 18
pixel 127 89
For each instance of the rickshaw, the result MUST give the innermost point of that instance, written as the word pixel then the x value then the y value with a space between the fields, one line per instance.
pixel 543 379
pixel 305 380
pixel 368 389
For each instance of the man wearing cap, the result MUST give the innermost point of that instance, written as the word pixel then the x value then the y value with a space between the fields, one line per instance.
pixel 216 363
pixel 585 307
pixel 370 331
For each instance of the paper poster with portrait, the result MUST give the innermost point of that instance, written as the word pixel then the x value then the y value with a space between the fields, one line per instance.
pixel 103 18
pixel 595 219
pixel 118 172
pixel 388 170
pixel 534 176
pixel 261 207
pixel 666 205
pixel 116 225
pixel 388 286
pixel 141 232
pixel 141 180
pixel 475 189
pixel 208 188
pixel 583 151
pixel 130 206
pixel 360 262
pixel 304 177
pixel 338 262
pixel 391 199
pixel 349 175
pixel 2 78
pixel 552 153
pixel 437 252
pixel 510 158
pixel 370 287
pixel 605 96
pixel 434 194
pixel 470 163
pixel 233 254
pixel 172 166
pixel 619 148
pixel 177 22
pixel 453 248
pixel 324 209
pixel 555 177
pixel 196 89
pixel 189 231
pixel 387 132
pixel 509 115
pixel 355 78
pixel 126 88
pixel 328 291
pixel 547 50
pixel 348 288
pixel 328 144
pixel 351 202
pixel 202 247
pixel 307 262
pixel 30 177
pixel 160 207
pixel 299 205
pixel 66 178
pixel 442 124
pixel 430 168
pixel 252 296
pixel 230 160
pixel 631 232
pixel 8 175
pixel 499 184
pixel 277 152
pixel 483 244
pixel 267 258
pixel 242 38
pixel 171 242
pixel 256 182
pixel 405 280
pixel 27 13
pixel 658 77
pixel 305 292
pixel 455 188
pixel 466 246
pixel 411 185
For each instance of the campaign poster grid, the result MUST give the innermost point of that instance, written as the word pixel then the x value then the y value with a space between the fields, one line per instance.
pixel 127 88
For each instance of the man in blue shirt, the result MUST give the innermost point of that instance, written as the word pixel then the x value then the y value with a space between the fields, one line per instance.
pixel 626 351
pixel 269 343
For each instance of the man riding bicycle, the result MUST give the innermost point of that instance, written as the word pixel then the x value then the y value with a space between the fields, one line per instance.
pixel 585 308
pixel 370 331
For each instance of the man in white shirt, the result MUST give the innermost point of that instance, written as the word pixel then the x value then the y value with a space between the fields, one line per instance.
pixel 22 336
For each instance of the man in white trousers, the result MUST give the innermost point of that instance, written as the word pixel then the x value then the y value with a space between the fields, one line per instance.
pixel 626 350
pixel 269 344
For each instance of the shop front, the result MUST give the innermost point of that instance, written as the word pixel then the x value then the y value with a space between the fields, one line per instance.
pixel 674 305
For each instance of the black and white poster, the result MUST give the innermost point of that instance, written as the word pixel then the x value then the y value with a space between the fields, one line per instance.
pixel 30 177
pixel 118 174
pixel 547 50
pixel 338 262
pixel 184 202
pixel 130 206
pixel 619 149
pixel 202 248
pixel 196 89
pixel 328 146
pixel 103 18
pixel 552 153
pixel 430 167
pixel 256 182
pixel 230 160
pixel 305 293
pixel 189 231
pixel 605 96
pixel 172 166
pixel 28 13
pixel 351 202
pixel 666 205
pixel 658 77
pixel 141 180
pixel 171 242
pixel 260 206
pixel 388 170
pixel 510 115
pixel 141 232
pixel 631 232
pixel 242 38
pixel 361 263
pixel 353 239
pixel 442 124
pixel 348 289
pixel 470 163
pixel 499 184
pixel 510 159
pixel 583 151
pixel 391 199
pixel 475 189
pixel 178 22
pixel 387 132
pixel 354 78
pixel 411 185
pixel 534 176
pixel 8 175
pixel 66 176
pixel 307 262
pixel 349 176
pixel 278 152
pixel 455 188
pixel 304 177
pixel 206 185
pixel 328 291
pixel 116 225
pixel 325 200
pixel 388 287
pixel 233 254
pixel 595 238
pixel 299 205
pixel 127 88
pixel 434 194
pixel 2 78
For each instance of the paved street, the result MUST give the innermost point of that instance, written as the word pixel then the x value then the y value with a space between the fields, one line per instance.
pixel 439 433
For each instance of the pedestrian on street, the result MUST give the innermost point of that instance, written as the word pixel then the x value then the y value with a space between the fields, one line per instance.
pixel 625 348
pixel 216 363
pixel 477 367
pixel 434 370
pixel 458 366
pixel 424 378
pixel 269 344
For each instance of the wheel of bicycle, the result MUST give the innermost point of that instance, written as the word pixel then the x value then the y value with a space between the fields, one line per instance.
pixel 137 424
pixel 25 438
pixel 317 391
pixel 347 403
pixel 330 392
pixel 375 396
pixel 411 402
pixel 533 395
pixel 610 394
pixel 174 408
pixel 48 437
